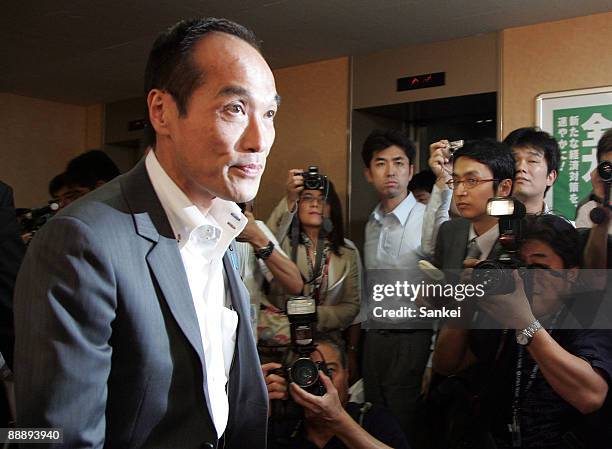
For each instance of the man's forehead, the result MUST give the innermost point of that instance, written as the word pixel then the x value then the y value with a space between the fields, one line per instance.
pixel 464 166
pixel 390 153
pixel 329 353
pixel 529 151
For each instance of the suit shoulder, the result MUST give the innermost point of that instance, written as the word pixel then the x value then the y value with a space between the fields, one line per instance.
pixel 102 208
pixel 455 224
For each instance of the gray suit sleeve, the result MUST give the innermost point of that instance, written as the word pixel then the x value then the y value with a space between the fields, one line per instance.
pixel 65 303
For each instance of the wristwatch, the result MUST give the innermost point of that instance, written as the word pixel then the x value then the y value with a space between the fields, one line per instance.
pixel 524 337
pixel 265 252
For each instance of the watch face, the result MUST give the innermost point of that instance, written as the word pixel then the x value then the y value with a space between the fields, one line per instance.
pixel 522 339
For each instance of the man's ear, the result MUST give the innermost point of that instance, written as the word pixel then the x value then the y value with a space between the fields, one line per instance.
pixel 504 188
pixel 160 104
pixel 410 172
pixel 572 274
pixel 367 174
pixel 551 178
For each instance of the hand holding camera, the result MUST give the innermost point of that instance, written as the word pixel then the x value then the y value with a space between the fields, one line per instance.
pixel 440 159
pixel 326 408
pixel 295 185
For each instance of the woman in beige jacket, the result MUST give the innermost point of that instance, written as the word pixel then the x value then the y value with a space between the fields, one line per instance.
pixel 336 285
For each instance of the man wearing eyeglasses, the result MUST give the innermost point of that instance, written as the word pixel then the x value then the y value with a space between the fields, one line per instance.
pixel 480 170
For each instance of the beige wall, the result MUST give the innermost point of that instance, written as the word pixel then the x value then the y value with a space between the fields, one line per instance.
pixel 311 128
pixel 37 138
pixel 550 57
pixel 470 65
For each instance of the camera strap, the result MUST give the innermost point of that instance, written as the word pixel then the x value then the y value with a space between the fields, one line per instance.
pixel 515 426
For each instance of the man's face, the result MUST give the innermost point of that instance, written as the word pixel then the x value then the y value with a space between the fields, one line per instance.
pixel 472 202
pixel 219 148
pixel 339 374
pixel 390 172
pixel 549 286
pixel 67 194
pixel 532 177
pixel 422 196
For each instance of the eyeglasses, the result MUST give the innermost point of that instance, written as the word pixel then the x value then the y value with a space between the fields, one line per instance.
pixel 468 183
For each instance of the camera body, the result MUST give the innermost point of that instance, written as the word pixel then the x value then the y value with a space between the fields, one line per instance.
pixel 313 180
pixel 495 275
pixel 31 220
pixel 302 314
pixel 454 146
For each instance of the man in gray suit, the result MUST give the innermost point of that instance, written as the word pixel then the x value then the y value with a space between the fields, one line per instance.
pixel 132 322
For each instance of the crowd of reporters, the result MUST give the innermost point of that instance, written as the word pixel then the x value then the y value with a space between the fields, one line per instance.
pixel 446 386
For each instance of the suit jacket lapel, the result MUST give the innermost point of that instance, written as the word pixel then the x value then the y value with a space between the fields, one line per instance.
pixel 164 258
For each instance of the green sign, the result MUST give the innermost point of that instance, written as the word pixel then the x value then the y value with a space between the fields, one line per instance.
pixel 577 130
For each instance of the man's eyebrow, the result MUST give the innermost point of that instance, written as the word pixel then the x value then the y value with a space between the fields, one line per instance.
pixel 532 151
pixel 470 173
pixel 242 92
pixel 233 90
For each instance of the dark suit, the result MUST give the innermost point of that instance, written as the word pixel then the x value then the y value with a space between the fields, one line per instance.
pixel 108 344
pixel 12 250
pixel 451 244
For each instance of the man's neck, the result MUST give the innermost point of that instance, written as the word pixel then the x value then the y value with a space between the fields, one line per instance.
pixel 318 433
pixel 534 205
pixel 202 199
pixel 483 224
pixel 389 204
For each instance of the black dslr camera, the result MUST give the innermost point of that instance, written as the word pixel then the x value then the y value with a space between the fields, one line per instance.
pixel 313 180
pixel 31 220
pixel 495 275
pixel 302 314
pixel 604 170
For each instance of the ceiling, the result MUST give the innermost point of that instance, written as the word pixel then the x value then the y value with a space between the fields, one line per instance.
pixel 94 51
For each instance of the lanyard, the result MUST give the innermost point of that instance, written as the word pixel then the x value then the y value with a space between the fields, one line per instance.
pixel 317 275
pixel 515 426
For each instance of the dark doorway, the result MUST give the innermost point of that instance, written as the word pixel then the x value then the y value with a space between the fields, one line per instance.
pixel 465 117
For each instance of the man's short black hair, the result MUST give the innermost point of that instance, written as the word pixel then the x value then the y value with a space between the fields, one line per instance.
pixel 380 139
pixel 337 344
pixel 495 155
pixel 423 180
pixel 56 184
pixel 89 169
pixel 171 66
pixel 556 232
pixel 532 137
pixel 604 145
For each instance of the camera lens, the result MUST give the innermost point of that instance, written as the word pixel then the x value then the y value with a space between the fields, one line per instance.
pixel 304 372
pixel 604 170
pixel 495 278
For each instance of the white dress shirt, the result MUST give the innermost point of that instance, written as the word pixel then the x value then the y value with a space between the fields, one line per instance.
pixel 203 240
pixel 393 240
pixel 485 241
pixel 583 217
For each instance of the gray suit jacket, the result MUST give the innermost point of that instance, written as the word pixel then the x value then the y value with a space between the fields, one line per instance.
pixel 108 345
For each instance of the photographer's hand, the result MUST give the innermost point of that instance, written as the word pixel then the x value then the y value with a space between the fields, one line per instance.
pixel 328 410
pixel 512 310
pixel 295 184
pixel 252 233
pixel 439 162
pixel 276 385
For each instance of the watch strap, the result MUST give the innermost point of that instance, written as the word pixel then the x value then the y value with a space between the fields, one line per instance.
pixel 264 252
